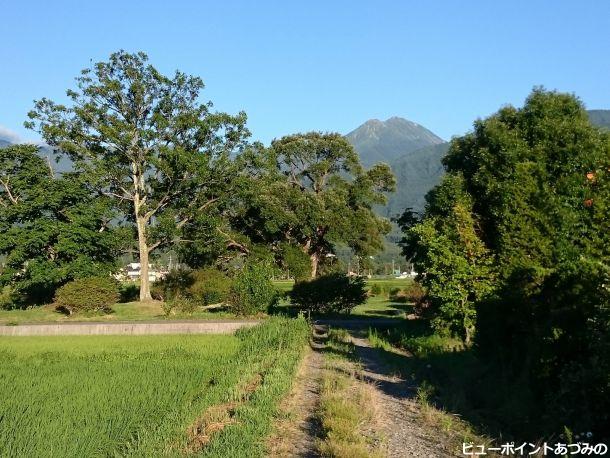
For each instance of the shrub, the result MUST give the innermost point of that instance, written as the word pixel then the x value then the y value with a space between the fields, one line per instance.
pixel 210 286
pixel 184 304
pixel 6 298
pixel 252 290
pixel 92 294
pixel 375 289
pixel 414 292
pixel 416 295
pixel 175 284
pixel 129 292
pixel 395 294
pixel 330 293
pixel 156 291
pixel 168 307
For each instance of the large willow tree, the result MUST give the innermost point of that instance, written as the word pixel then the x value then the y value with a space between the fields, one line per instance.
pixel 147 141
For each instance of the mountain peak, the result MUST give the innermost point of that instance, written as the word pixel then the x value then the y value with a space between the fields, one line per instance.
pixel 373 122
pixel 384 141
pixel 399 120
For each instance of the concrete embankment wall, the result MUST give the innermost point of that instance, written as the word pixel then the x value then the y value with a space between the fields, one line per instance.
pixel 135 328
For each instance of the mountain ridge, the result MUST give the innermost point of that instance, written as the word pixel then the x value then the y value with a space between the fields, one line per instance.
pixel 384 141
pixel 413 152
pixel 417 169
pixel 600 118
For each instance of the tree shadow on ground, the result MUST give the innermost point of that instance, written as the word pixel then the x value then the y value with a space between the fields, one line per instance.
pixel 459 383
pixel 391 312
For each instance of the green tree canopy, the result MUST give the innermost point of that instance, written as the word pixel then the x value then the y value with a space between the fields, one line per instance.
pixel 310 190
pixel 457 265
pixel 530 189
pixel 54 227
pixel 148 142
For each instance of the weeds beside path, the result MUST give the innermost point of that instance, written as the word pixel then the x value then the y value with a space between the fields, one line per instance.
pixel 296 431
pixel 401 419
pixel 347 402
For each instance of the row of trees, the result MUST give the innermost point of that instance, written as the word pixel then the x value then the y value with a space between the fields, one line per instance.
pixel 150 162
pixel 514 247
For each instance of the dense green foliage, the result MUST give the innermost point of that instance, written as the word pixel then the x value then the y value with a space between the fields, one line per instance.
pixel 138 395
pixel 174 285
pixel 252 290
pixel 515 244
pixel 296 262
pixel 457 264
pixel 54 227
pixel 248 291
pixel 129 291
pixel 6 297
pixel 375 289
pixel 91 294
pixel 310 191
pixel 333 293
pixel 210 286
pixel 147 142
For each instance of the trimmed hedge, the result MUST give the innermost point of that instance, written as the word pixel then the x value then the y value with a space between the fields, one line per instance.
pixel 331 293
pixel 252 291
pixel 92 294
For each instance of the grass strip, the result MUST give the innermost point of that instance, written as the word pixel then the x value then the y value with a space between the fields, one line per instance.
pixel 347 405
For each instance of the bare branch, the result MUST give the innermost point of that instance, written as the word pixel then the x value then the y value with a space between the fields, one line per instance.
pixel 10 195
pixel 208 203
pixel 51 171
pixel 117 196
pixel 232 243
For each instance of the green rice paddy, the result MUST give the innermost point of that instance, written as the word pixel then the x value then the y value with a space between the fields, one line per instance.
pixel 89 396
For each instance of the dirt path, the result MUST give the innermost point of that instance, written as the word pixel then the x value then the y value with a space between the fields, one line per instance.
pixel 400 423
pixel 400 418
pixel 296 434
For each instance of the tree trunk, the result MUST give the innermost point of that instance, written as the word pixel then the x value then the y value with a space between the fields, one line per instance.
pixel 143 249
pixel 139 198
pixel 468 336
pixel 314 265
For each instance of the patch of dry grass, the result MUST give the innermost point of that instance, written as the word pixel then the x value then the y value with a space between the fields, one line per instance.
pixel 347 409
pixel 456 431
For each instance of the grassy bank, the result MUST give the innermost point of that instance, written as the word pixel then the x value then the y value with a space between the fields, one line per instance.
pixel 379 306
pixel 454 380
pixel 129 311
pixel 145 396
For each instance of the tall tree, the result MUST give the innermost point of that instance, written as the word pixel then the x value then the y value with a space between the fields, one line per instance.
pixel 54 228
pixel 446 247
pixel 537 180
pixel 147 141
pixel 312 192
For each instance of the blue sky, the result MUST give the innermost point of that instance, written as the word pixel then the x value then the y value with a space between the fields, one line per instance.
pixel 300 66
